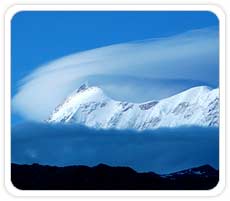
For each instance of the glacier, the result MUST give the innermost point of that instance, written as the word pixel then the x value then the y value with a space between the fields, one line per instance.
pixel 90 106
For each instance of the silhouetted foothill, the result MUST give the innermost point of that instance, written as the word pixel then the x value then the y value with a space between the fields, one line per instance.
pixel 104 177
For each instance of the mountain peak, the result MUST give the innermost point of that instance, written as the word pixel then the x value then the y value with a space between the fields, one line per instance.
pixel 90 106
pixel 83 87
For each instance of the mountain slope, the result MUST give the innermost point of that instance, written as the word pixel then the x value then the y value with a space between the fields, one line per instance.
pixel 197 106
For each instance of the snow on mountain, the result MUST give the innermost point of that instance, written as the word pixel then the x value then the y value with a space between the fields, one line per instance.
pixel 197 106
pixel 204 170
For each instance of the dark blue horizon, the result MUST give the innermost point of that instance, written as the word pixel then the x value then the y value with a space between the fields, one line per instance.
pixel 163 150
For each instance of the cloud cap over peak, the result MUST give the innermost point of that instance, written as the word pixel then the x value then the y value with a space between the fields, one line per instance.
pixel 146 70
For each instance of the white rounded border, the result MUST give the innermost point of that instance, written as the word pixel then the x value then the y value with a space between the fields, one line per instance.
pixel 12 11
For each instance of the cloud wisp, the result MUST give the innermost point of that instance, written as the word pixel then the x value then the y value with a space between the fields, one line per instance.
pixel 148 69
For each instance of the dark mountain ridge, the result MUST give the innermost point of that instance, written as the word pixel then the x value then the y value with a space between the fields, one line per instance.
pixel 104 177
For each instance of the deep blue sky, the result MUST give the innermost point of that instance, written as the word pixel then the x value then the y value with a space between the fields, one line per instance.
pixel 39 37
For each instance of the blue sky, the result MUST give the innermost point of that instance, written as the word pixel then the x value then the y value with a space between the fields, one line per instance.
pixel 41 37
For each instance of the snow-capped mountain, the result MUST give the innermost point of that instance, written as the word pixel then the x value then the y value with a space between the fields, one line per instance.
pixel 198 106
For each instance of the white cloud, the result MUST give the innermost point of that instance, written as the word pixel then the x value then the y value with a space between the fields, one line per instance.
pixel 189 56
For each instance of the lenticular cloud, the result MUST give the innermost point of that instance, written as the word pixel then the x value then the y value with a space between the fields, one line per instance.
pixel 147 69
